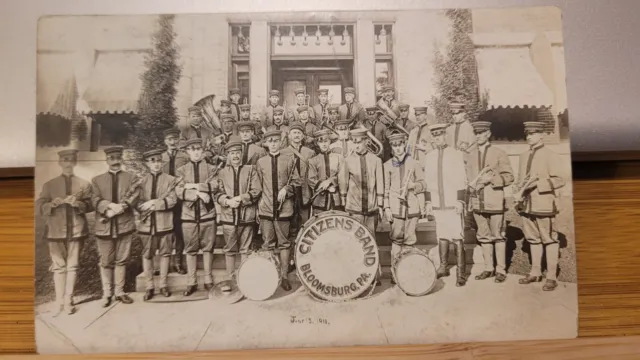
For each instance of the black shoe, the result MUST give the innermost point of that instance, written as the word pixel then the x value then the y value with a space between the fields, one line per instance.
pixel 148 295
pixel 500 278
pixel 550 285
pixel 485 275
pixel 442 271
pixel 190 290
pixel 291 268
pixel 156 272
pixel 177 268
pixel 165 292
pixel 378 282
pixel 393 280
pixel 461 281
pixel 125 299
pixel 106 301
pixel 285 285
pixel 530 279
pixel 208 286
pixel 443 249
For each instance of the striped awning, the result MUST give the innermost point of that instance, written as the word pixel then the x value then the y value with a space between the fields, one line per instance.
pixel 56 88
pixel 115 83
pixel 510 79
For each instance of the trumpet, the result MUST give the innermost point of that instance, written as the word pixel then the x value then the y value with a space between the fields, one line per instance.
pixel 405 187
pixel 519 196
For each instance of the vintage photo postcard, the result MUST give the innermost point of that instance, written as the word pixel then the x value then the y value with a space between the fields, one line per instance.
pixel 302 179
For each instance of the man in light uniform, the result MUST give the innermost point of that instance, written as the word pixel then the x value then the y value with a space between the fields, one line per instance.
pixel 403 119
pixel 324 169
pixel 157 198
pixel 446 185
pixel 112 196
pixel 250 151
pixel 239 193
pixel 172 160
pixel 490 173
pixel 308 126
pixel 63 203
pixel 361 184
pixel 196 192
pixel 278 178
pixel 352 110
pixel 404 199
pixel 321 110
pixel 278 125
pixel 196 128
pixel 343 145
pixel 541 175
pixel 460 134
pixel 420 143
pixel 388 103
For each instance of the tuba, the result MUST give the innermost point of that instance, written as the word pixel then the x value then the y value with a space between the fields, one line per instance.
pixel 374 146
pixel 210 113
pixel 389 122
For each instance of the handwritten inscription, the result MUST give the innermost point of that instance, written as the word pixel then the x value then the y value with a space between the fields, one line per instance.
pixel 308 320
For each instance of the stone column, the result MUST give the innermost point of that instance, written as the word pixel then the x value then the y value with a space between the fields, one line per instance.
pixel 365 63
pixel 259 63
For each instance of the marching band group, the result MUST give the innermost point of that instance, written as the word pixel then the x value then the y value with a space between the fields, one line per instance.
pixel 271 172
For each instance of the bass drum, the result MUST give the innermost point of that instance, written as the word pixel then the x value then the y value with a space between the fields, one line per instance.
pixel 413 271
pixel 336 257
pixel 258 276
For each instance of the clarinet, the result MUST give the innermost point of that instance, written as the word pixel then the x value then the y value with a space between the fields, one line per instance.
pixel 130 191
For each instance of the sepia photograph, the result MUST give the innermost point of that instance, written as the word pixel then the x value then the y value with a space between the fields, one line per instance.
pixel 302 179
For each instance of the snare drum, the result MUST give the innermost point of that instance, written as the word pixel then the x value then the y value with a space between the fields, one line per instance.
pixel 258 276
pixel 337 257
pixel 413 271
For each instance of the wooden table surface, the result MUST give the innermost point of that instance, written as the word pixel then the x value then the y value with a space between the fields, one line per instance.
pixel 607 217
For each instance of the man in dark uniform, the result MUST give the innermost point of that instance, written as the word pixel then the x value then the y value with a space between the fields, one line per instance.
pixel 234 98
pixel 113 194
pixel 403 119
pixel 274 102
pixel 308 126
pixel 250 151
pixel 324 169
pixel 301 100
pixel 195 130
pixel 173 159
pixel 387 103
pixel 420 143
pixel 321 110
pixel 63 203
pixel 155 204
pixel 352 110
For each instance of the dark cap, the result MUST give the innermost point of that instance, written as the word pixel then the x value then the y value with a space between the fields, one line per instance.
pixel 172 132
pixel 194 141
pixel 234 91
pixel 114 150
pixel 533 127
pixel 481 126
pixel 233 145
pixel 246 124
pixel 150 153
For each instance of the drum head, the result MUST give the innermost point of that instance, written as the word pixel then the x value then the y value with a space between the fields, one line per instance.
pixel 258 278
pixel 414 273
pixel 336 257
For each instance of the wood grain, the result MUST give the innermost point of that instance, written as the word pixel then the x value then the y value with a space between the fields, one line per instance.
pixel 607 209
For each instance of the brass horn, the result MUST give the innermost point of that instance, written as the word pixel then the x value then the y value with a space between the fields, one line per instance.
pixel 389 122
pixel 374 146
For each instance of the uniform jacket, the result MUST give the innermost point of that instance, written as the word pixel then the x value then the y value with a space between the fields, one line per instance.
pixel 342 147
pixel 194 210
pixel 460 136
pixel 251 153
pixel 490 198
pixel 268 115
pixel 273 172
pixel 296 116
pixel 110 188
pixel 65 222
pixel 361 184
pixel 445 176
pixel 172 162
pixel 395 177
pixel 241 182
pixel 544 162
pixel 357 114
pixel 302 167
pixel 390 108
pixel 378 130
pixel 309 129
pixel 318 110
pixel 406 123
pixel 235 110
pixel 322 167
pixel 419 135
pixel 156 187
pixel 201 132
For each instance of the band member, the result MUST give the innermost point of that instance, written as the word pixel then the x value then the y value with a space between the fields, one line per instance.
pixel 196 128
pixel 446 184
pixel 403 119
pixel 334 116
pixel 157 198
pixel 239 193
pixel 278 125
pixel 491 173
pixel 301 100
pixel 361 184
pixel 387 103
pixel 539 178
pixel 352 110
pixel 278 178
pixel 375 126
pixel 250 151
pixel 228 128
pixel 274 101
pixel 63 203
pixel 321 110
pixel 343 145
pixel 301 155
pixel 324 169
pixel 308 127
pixel 196 192
pixel 404 199
pixel 460 134
pixel 113 194
pixel 172 160
pixel 225 108
pixel 420 141
pixel 234 99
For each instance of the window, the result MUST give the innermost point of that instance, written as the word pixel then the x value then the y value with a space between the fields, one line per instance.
pixel 114 128
pixel 240 48
pixel 384 56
